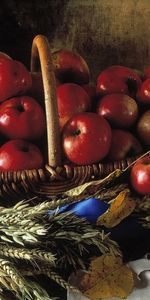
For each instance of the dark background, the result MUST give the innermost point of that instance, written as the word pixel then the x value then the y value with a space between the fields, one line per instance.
pixel 21 21
pixel 103 32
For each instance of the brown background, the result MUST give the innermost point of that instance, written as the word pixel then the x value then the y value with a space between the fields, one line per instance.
pixel 104 32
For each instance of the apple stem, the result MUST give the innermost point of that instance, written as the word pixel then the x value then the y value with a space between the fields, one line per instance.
pixel 77 132
pixel 41 51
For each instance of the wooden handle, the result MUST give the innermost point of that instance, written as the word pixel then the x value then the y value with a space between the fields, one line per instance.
pixel 41 52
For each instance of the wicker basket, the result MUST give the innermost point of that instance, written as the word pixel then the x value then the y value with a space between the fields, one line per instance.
pixel 55 177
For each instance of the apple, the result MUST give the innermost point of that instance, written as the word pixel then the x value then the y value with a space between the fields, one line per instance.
pixel 143 128
pixel 139 73
pixel 71 99
pixel 15 79
pixel 36 90
pixel 118 79
pixel 123 144
pixel 91 91
pixel 143 93
pixel 119 109
pixel 140 176
pixel 4 55
pixel 20 155
pixel 70 67
pixel 22 118
pixel 86 138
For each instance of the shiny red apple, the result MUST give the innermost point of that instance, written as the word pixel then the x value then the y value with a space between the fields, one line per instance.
pixel 140 176
pixel 143 128
pixel 143 93
pixel 20 155
pixel 22 118
pixel 70 67
pixel 71 99
pixel 123 144
pixel 86 138
pixel 36 90
pixel 91 91
pixel 118 79
pixel 15 79
pixel 119 109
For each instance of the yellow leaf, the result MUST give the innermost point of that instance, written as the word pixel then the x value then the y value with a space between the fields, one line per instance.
pixel 107 277
pixel 121 207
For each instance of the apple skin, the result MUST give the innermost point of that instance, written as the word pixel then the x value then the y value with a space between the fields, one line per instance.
pixel 143 93
pixel 36 90
pixel 4 55
pixel 86 138
pixel 70 67
pixel 143 128
pixel 20 155
pixel 15 79
pixel 123 144
pixel 139 73
pixel 71 99
pixel 140 176
pixel 119 109
pixel 22 118
pixel 91 91
pixel 118 79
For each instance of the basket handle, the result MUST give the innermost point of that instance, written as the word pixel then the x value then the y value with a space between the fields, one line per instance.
pixel 41 52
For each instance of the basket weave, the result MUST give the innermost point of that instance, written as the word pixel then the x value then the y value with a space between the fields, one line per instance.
pixel 55 177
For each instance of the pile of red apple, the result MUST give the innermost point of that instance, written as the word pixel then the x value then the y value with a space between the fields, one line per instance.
pixel 104 121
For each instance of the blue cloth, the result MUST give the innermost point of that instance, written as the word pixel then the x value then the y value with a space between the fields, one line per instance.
pixel 90 208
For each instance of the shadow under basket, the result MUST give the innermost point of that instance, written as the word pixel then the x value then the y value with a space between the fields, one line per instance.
pixel 55 177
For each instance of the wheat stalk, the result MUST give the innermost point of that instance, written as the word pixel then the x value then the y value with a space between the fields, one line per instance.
pixel 27 254
pixel 27 231
pixel 51 274
pixel 23 288
pixel 12 274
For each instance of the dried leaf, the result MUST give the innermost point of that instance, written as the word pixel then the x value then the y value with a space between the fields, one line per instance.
pixel 121 207
pixel 107 277
pixel 84 188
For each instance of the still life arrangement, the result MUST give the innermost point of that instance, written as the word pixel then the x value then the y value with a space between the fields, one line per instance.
pixel 74 164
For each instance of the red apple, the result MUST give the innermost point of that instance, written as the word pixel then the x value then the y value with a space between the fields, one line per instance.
pixel 123 145
pixel 139 73
pixel 140 176
pixel 14 79
pixel 91 91
pixel 36 90
pixel 4 55
pixel 143 93
pixel 119 109
pixel 20 155
pixel 70 67
pixel 143 128
pixel 118 79
pixel 71 99
pixel 22 118
pixel 86 138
